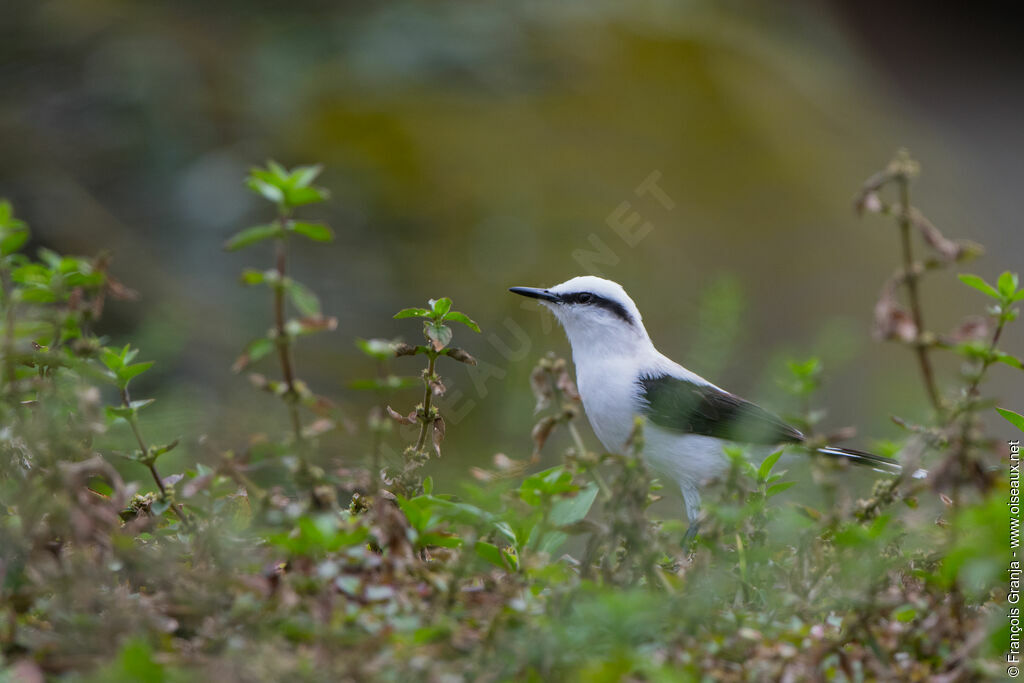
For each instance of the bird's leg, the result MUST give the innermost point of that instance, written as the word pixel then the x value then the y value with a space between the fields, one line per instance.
pixel 691 499
pixel 691 533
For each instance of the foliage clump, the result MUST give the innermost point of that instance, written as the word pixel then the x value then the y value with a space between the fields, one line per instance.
pixel 350 565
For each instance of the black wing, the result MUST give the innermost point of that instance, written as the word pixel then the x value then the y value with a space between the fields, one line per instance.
pixel 682 406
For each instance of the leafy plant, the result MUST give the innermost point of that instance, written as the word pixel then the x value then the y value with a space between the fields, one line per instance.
pixel 287 190
pixel 438 335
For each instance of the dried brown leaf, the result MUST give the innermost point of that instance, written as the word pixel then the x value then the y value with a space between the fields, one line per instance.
pixel 566 385
pixel 541 431
pixel 946 248
pixel 318 427
pixel 541 387
pixel 481 474
pixel 461 355
pixel 409 419
pixel 892 320
pixel 503 462
pixel 405 350
pixel 974 327
pixel 317 323
pixel 118 290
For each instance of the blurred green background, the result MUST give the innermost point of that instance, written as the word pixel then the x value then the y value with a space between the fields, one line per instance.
pixel 473 146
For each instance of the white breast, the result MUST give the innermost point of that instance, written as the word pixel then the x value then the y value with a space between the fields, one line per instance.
pixel 609 391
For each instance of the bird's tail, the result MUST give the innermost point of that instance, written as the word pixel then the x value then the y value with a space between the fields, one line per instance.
pixel 876 462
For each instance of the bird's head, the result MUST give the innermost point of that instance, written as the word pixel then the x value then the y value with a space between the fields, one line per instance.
pixel 596 313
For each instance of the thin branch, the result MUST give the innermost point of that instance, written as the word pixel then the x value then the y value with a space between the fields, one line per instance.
pixel 282 342
pixel 126 401
pixel 425 420
pixel 910 279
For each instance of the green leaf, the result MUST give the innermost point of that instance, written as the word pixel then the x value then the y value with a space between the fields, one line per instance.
pixel 144 403
pixel 114 412
pixel 545 484
pixel 975 348
pixel 267 190
pixel 389 383
pixel 50 258
pixel 552 541
pixel 300 196
pixel 302 176
pixel 805 369
pixel 303 298
pixel 278 172
pixel 505 530
pixel 1016 419
pixel 412 313
pixel 253 277
pixel 13 232
pixel 12 239
pixel 497 556
pixel 1007 284
pixel 778 488
pixel 318 232
pixel 256 233
pixel 491 553
pixel 7 218
pixel 128 354
pixel 979 284
pixel 438 333
pixel 766 467
pixel 381 349
pixel 127 372
pixel 462 318
pixel 905 613
pixel 440 306
pixel 1012 361
pixel 157 451
pixel 428 485
pixel 571 510
pixel 111 359
pixel 135 662
pixel 257 348
pixel 438 539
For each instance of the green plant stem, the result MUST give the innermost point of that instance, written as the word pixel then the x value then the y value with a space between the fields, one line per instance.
pixel 910 279
pixel 961 456
pixel 606 491
pixel 9 318
pixel 577 440
pixel 134 422
pixel 425 420
pixel 282 341
pixel 972 389
pixel 377 437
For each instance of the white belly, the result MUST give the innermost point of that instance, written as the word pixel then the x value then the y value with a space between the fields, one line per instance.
pixel 611 400
pixel 685 458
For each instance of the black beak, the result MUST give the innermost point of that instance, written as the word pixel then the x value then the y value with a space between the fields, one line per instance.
pixel 534 293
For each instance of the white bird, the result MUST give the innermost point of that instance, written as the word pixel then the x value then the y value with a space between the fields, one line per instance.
pixel 689 420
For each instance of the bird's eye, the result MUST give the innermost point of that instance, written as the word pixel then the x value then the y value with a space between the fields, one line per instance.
pixel 584 298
